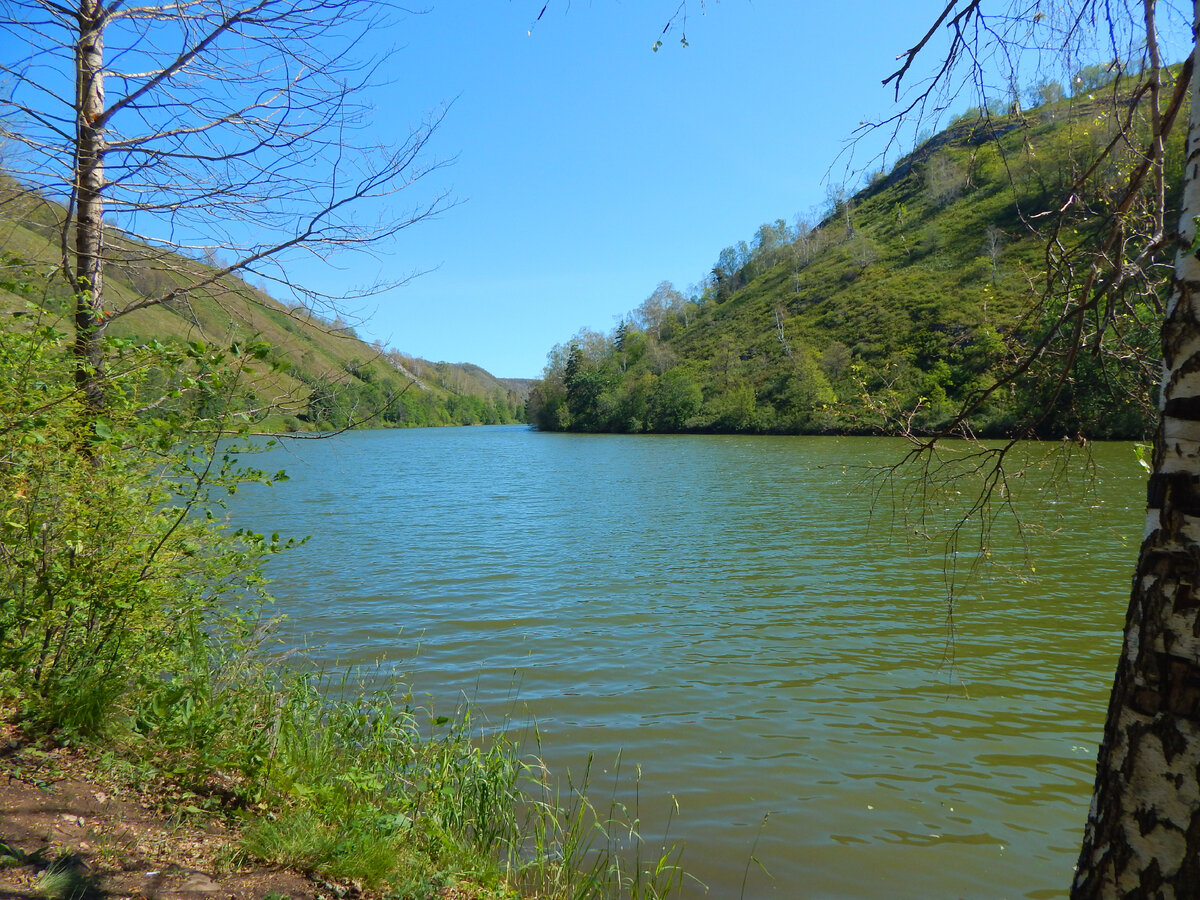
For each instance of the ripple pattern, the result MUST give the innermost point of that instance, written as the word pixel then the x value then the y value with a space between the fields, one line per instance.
pixel 748 620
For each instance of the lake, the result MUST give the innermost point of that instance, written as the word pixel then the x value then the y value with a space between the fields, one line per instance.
pixel 760 624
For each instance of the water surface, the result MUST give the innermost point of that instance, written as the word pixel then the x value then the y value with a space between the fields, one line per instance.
pixel 748 620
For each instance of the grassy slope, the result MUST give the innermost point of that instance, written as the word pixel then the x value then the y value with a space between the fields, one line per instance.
pixel 914 292
pixel 306 349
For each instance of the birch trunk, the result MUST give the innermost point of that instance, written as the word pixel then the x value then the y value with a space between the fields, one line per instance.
pixel 1143 831
pixel 88 272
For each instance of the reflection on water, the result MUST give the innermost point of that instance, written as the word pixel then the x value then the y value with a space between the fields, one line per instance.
pixel 748 620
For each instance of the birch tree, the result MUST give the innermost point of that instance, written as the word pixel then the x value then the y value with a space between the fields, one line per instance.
pixel 1142 835
pixel 1143 830
pixel 165 128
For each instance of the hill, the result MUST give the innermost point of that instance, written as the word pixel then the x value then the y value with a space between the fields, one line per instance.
pixel 316 373
pixel 922 289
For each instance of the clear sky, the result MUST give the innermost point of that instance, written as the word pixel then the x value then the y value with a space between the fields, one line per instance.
pixel 589 168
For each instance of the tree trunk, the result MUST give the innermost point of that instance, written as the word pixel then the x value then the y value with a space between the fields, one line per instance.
pixel 87 275
pixel 1143 831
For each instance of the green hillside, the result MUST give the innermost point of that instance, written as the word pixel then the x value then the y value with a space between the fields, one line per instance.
pixel 316 374
pixel 905 299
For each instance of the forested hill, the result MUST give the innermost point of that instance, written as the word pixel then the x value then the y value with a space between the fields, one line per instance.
pixel 316 373
pixel 902 300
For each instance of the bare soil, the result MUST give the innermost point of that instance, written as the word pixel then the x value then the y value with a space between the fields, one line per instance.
pixel 66 833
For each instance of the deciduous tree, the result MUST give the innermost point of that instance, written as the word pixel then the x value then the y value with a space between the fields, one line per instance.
pixel 195 126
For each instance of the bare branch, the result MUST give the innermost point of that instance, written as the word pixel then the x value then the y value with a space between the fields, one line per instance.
pixel 198 123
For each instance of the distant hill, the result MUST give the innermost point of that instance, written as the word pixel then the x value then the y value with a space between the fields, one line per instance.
pixel 903 299
pixel 321 375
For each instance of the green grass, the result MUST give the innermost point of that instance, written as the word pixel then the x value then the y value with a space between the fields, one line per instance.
pixel 368 791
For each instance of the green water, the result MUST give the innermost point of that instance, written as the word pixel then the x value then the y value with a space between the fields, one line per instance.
pixel 754 623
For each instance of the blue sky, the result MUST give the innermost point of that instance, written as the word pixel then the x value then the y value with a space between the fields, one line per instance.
pixel 588 168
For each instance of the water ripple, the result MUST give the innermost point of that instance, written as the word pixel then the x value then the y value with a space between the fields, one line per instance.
pixel 743 619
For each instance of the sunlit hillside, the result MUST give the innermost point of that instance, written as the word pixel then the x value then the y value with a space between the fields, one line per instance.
pixel 895 304
pixel 317 373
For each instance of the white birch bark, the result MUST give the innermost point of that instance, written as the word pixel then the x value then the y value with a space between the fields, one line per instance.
pixel 1143 831
pixel 88 193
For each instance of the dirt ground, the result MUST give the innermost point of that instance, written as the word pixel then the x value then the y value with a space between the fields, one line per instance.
pixel 66 835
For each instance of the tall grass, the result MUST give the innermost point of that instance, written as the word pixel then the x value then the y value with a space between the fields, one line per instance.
pixel 583 850
pixel 363 788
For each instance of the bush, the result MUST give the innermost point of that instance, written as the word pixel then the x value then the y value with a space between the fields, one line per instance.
pixel 112 563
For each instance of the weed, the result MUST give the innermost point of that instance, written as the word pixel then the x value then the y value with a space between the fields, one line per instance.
pixel 66 879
